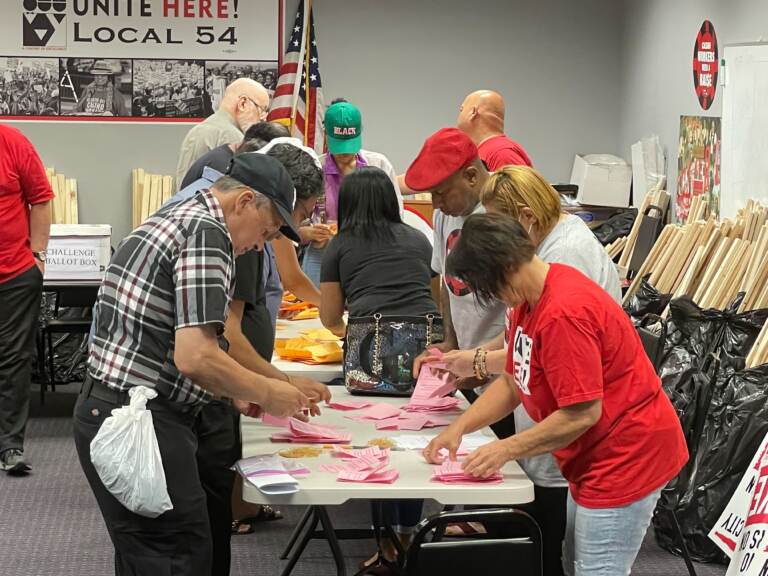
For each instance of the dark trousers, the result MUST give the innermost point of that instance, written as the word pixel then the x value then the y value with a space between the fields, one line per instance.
pixel 550 511
pixel 19 310
pixel 197 450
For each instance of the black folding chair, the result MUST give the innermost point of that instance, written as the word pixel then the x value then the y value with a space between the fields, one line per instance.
pixel 67 296
pixel 479 555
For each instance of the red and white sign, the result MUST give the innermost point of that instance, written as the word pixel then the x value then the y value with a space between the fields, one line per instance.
pixel 705 65
pixel 742 529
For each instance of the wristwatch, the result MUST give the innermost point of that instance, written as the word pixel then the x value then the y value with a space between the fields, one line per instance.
pixel 41 255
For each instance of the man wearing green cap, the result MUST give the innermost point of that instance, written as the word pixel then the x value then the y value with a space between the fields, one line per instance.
pixel 344 136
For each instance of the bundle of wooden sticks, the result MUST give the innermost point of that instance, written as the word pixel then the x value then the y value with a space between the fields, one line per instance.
pixel 711 262
pixel 150 192
pixel 64 203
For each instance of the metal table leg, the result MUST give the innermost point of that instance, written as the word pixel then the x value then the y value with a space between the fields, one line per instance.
pixel 333 541
pixel 296 532
pixel 311 523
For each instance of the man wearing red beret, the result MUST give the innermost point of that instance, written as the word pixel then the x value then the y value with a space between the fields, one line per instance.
pixel 449 168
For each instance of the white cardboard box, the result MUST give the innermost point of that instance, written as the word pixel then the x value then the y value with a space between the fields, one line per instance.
pixel 602 182
pixel 78 251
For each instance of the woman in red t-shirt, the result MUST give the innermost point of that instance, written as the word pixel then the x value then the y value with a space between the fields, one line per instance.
pixel 577 364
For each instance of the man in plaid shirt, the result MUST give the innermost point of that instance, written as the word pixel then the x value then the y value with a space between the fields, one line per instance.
pixel 159 318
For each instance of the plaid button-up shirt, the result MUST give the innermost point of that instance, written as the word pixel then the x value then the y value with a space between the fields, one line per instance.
pixel 173 271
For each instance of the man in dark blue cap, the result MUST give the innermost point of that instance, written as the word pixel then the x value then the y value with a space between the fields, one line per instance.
pixel 159 319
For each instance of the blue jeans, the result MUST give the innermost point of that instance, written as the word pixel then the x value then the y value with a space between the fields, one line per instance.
pixel 312 262
pixel 605 541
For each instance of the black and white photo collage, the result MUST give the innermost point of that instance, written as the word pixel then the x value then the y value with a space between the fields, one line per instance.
pixel 104 87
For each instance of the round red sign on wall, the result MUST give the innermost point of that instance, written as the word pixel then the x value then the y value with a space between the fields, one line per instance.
pixel 705 65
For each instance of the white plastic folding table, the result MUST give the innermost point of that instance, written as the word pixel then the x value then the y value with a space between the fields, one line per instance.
pixel 320 489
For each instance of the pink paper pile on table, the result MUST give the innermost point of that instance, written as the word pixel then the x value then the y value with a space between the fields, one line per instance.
pixel 451 472
pixel 304 432
pixel 370 465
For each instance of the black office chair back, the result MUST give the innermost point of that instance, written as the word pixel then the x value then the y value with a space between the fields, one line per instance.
pixel 477 555
pixel 653 334
pixel 76 297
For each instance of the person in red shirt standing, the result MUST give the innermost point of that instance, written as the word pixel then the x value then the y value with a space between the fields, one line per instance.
pixel 577 364
pixel 25 222
pixel 481 117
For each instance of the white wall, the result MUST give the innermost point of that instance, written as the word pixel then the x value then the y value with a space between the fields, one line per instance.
pixel 407 64
pixel 657 53
pixel 101 156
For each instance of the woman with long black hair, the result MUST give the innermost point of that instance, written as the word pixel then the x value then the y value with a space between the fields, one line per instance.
pixel 378 265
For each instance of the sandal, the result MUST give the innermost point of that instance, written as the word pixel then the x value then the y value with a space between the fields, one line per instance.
pixel 248 525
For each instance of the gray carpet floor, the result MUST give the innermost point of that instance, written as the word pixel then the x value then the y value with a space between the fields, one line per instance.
pixel 50 525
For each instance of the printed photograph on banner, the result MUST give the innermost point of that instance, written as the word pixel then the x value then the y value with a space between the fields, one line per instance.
pixel 698 164
pixel 219 73
pixel 168 88
pixel 29 86
pixel 95 87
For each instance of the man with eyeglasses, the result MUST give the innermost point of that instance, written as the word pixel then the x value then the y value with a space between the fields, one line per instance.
pixel 245 102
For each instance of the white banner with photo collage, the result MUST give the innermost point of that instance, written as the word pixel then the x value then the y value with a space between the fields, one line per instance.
pixel 141 59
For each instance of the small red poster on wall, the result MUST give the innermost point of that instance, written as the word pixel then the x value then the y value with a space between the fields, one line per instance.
pixel 705 65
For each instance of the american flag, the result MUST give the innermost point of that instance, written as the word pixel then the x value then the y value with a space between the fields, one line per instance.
pixel 300 75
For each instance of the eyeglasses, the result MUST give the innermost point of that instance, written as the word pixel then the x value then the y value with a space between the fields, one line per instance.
pixel 262 109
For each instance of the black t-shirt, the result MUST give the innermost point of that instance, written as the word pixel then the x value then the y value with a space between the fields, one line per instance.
pixel 218 159
pixel 249 287
pixel 390 277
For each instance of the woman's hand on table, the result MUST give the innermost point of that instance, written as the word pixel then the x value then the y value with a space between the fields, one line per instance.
pixel 488 459
pixel 427 356
pixel 449 439
pixel 460 363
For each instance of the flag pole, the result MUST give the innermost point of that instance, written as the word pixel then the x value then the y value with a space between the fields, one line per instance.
pixel 307 52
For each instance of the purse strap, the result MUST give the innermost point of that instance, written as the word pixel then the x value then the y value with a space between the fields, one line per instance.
pixel 376 365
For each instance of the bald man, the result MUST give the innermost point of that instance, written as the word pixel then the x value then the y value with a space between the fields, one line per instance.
pixel 481 117
pixel 245 102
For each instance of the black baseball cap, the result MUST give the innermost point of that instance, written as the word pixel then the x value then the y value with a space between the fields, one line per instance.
pixel 267 176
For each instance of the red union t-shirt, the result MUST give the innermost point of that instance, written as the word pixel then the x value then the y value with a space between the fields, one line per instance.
pixel 22 182
pixel 578 345
pixel 499 151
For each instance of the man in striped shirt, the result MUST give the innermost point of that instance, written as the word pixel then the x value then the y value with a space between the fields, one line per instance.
pixel 159 319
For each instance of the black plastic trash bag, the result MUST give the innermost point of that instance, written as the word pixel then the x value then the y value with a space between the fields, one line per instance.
pixel 647 300
pixel 615 227
pixel 731 433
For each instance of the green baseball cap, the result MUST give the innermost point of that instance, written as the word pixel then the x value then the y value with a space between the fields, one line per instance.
pixel 343 128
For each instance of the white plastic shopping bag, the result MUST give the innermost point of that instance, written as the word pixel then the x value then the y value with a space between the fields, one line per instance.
pixel 127 458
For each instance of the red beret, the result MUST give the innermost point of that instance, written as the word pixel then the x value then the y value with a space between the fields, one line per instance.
pixel 444 153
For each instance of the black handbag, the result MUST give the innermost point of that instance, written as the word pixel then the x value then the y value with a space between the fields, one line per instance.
pixel 379 352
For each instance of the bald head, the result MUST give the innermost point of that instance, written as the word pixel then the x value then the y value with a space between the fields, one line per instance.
pixel 482 115
pixel 246 101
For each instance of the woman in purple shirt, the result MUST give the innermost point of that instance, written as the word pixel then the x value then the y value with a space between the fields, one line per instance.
pixel 343 129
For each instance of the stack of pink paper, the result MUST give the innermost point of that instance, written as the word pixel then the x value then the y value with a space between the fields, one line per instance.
pixel 433 382
pixel 366 465
pixel 446 404
pixel 451 472
pixel 431 389
pixel 348 404
pixel 304 432
pixel 411 422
